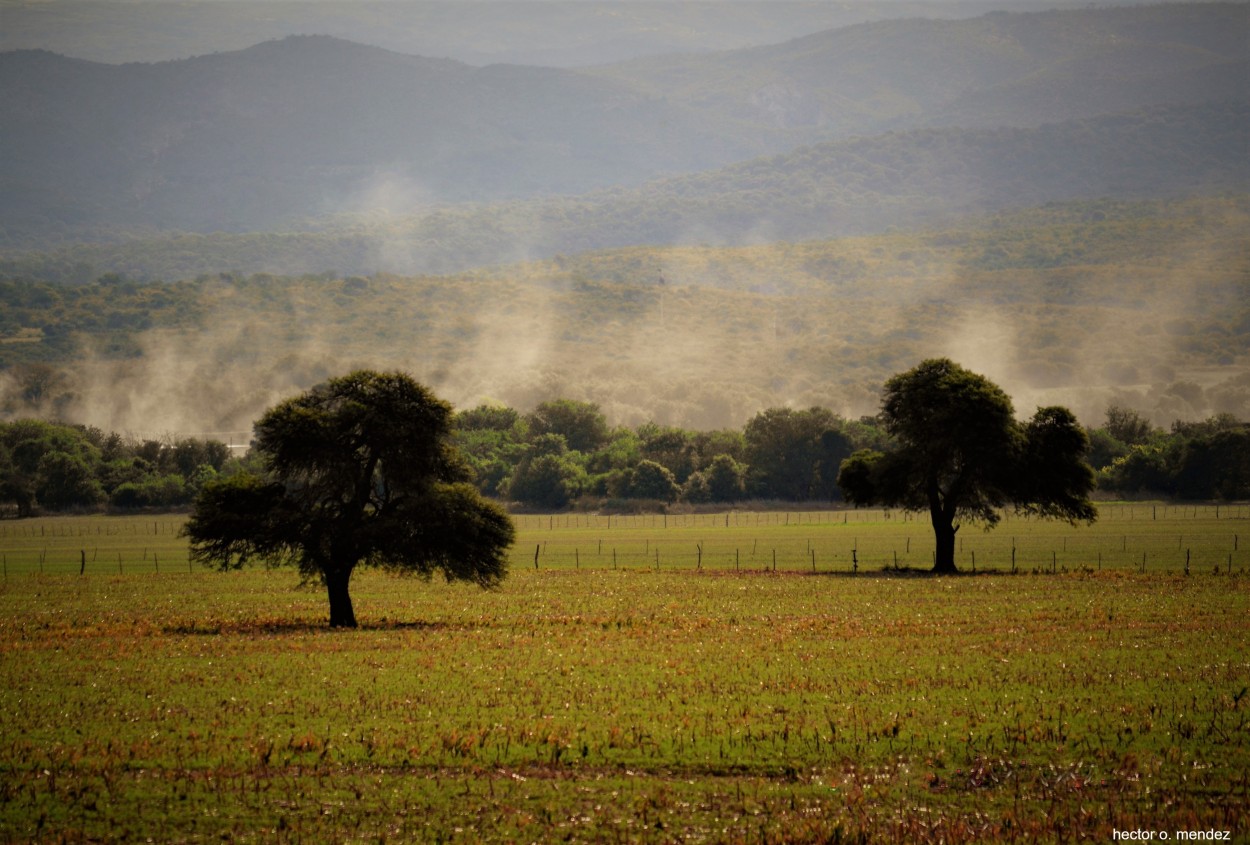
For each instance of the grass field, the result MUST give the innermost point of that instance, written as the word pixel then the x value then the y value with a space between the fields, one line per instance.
pixel 618 698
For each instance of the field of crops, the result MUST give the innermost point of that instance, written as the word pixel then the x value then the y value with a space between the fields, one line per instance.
pixel 639 679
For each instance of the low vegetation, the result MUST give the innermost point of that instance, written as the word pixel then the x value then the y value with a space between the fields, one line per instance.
pixel 589 703
pixel 563 455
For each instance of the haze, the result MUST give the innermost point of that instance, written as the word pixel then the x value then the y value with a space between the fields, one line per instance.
pixel 685 212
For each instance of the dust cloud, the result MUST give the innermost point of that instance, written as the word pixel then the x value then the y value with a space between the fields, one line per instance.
pixel 698 337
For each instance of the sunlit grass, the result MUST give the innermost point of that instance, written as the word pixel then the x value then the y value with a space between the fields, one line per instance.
pixel 589 703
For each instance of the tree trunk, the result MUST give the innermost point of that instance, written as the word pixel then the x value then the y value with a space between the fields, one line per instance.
pixel 341 613
pixel 944 556
pixel 944 530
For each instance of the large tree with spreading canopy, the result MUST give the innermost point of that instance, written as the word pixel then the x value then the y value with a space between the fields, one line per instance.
pixel 359 472
pixel 962 456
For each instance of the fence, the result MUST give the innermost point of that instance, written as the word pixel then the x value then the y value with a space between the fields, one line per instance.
pixel 1150 538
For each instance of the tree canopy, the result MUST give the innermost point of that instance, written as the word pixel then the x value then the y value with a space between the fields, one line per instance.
pixel 358 471
pixel 962 455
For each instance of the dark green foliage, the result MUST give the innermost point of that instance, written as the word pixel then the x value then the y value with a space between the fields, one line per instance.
pixel 795 455
pixel 1204 460
pixel 650 480
pixel 67 481
pixel 961 455
pixel 547 475
pixel 1055 480
pixel 1104 449
pixel 726 479
pixel 164 491
pixel 670 447
pixel 1215 466
pixel 48 465
pixel 581 424
pixel 360 471
pixel 1128 426
pixel 486 418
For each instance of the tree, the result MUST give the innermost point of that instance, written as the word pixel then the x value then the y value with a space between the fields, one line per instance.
pixel 650 480
pixel 1128 426
pixel 583 425
pixel 546 480
pixel 1215 465
pixel 48 465
pixel 670 447
pixel 725 479
pixel 359 472
pixel 67 480
pixel 788 452
pixel 961 455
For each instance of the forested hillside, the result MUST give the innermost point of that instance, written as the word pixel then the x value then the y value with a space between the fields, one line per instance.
pixel 310 125
pixel 841 188
pixel 1139 303
pixel 1001 69
pixel 284 132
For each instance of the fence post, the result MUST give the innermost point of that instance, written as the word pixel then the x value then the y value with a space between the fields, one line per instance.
pixel 82 561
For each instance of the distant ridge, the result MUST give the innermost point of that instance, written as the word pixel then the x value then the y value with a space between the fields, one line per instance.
pixel 309 126
pixel 851 187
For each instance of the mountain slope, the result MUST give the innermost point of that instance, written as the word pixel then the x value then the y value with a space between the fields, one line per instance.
pixel 858 186
pixel 309 126
pixel 999 69
pixel 1144 304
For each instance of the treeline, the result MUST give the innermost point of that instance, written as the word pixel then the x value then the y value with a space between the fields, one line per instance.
pixel 564 454
pixel 47 466
pixel 564 451
pixel 1195 460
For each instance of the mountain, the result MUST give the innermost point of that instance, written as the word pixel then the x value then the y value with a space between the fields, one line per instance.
pixel 839 188
pixel 550 33
pixel 1001 69
pixel 310 126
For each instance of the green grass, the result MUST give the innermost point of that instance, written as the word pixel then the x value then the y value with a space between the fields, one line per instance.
pixel 585 703
pixel 1166 536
